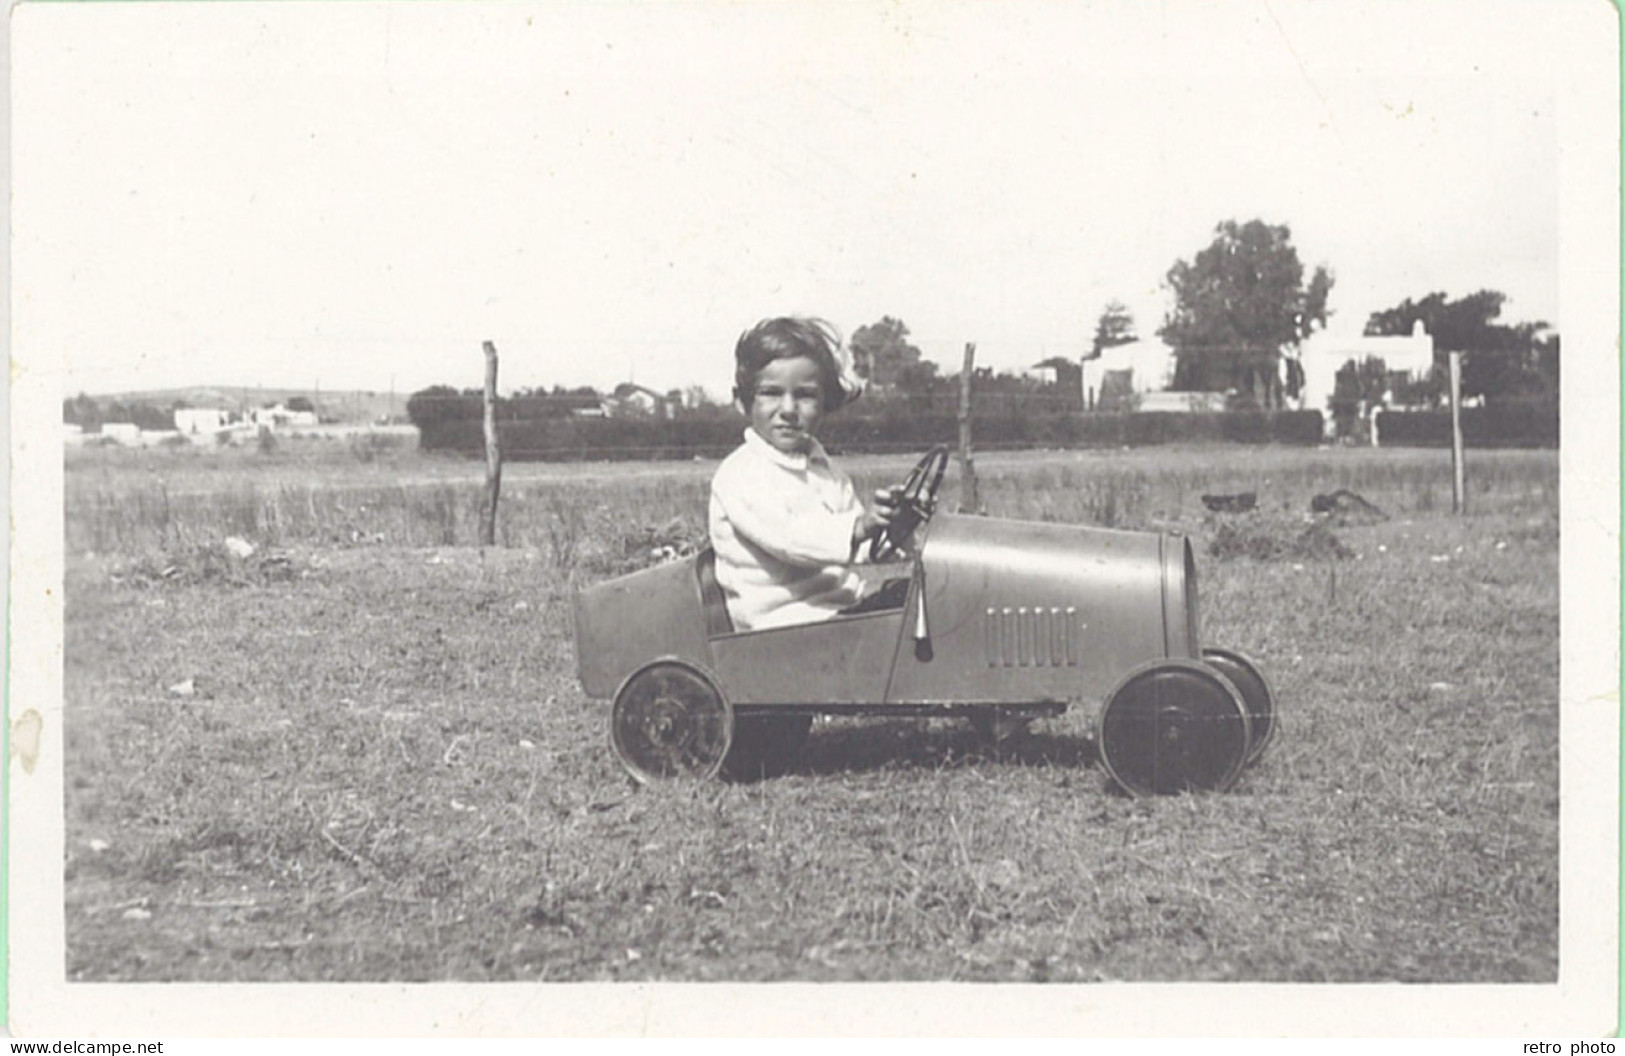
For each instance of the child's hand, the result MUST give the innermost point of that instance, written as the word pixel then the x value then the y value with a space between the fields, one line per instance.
pixel 887 502
pixel 878 517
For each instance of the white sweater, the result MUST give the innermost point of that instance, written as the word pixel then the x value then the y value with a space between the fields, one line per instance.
pixel 781 526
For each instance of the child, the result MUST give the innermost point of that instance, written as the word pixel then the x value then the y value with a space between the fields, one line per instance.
pixel 786 524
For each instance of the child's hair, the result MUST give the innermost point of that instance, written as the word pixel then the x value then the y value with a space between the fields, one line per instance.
pixel 785 338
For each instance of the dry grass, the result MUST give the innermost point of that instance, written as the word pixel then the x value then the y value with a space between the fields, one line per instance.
pixel 354 758
pixel 155 501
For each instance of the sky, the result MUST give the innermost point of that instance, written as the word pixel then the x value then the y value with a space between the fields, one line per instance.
pixel 356 195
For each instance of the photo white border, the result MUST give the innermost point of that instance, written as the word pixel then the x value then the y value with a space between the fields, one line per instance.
pixel 1584 1001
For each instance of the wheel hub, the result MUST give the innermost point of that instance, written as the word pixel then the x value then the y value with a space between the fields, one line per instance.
pixel 669 721
pixel 668 724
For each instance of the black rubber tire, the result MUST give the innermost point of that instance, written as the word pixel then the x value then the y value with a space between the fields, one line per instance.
pixel 670 721
pixel 1174 726
pixel 1256 693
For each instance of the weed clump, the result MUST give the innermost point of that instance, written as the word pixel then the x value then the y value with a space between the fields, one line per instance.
pixel 1269 539
pixel 1343 508
pixel 211 562
pixel 649 545
pixel 369 447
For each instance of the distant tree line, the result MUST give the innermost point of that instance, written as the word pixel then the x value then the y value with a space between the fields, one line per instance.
pixel 908 406
pixel 90 414
pixel 568 439
pixel 428 407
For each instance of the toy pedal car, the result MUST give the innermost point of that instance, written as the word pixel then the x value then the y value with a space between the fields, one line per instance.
pixel 1001 618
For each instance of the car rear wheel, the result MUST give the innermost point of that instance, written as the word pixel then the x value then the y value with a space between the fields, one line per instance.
pixel 670 721
pixel 765 745
pixel 1255 693
pixel 1174 726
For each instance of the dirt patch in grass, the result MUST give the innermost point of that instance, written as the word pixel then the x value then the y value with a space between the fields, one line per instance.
pixel 1263 537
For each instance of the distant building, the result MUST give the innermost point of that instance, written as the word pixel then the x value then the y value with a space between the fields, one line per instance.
pixel 633 399
pixel 1044 373
pixel 279 416
pixel 1325 353
pixel 1118 377
pixel 200 421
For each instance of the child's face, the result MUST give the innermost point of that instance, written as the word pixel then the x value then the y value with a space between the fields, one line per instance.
pixel 788 404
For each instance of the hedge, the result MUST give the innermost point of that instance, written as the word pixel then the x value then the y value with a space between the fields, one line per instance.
pixel 1506 425
pixel 566 439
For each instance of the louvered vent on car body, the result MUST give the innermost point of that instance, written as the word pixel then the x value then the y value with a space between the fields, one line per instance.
pixel 1031 636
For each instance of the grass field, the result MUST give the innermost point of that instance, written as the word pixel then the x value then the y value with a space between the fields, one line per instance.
pixel 361 753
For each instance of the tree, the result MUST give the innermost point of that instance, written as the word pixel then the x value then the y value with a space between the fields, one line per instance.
pixel 535 404
pixel 84 412
pixel 151 419
pixel 1115 327
pixel 301 404
pixel 437 403
pixel 1548 354
pixel 581 398
pixel 1358 388
pixel 1239 305
pixel 698 401
pixel 1498 361
pixel 142 415
pixel 882 353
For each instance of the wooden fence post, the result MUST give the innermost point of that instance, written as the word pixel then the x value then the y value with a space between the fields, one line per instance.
pixel 970 500
pixel 493 453
pixel 1458 463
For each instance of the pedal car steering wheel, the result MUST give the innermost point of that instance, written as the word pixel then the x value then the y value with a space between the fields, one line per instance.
pixel 916 500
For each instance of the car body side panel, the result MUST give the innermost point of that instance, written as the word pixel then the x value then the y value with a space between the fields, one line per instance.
pixel 842 660
pixel 625 622
pixel 1022 611
pixel 1016 612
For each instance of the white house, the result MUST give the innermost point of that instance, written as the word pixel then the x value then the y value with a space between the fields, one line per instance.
pixel 1127 370
pixel 631 398
pixel 200 421
pixel 1325 352
pixel 278 416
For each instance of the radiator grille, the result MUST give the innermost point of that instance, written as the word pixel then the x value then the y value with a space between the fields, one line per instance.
pixel 1033 636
